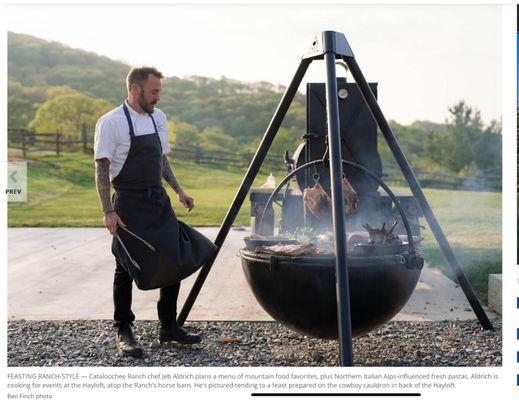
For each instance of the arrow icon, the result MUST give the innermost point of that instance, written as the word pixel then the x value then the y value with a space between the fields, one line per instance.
pixel 12 176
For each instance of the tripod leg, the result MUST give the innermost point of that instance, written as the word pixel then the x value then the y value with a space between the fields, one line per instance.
pixel 246 184
pixel 417 191
pixel 339 223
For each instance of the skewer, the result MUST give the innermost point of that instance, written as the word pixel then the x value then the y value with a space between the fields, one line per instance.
pixel 392 227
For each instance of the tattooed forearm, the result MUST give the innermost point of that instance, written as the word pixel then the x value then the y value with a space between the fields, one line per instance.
pixel 169 176
pixel 103 183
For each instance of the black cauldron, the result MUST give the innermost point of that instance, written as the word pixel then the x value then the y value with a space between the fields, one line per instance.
pixel 300 292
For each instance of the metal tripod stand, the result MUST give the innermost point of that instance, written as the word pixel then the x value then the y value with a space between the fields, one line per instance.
pixel 330 45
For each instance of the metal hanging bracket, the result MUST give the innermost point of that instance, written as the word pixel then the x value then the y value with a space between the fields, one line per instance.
pixel 328 42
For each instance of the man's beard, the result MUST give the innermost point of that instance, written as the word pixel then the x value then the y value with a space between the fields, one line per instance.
pixel 147 107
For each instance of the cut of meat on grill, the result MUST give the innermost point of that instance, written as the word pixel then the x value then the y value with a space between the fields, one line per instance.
pixel 318 201
pixel 288 249
pixel 351 200
pixel 382 235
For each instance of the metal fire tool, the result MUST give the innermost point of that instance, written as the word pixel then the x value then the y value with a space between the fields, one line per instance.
pixel 128 253
pixel 138 237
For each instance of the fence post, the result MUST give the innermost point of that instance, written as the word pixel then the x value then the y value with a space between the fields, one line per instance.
pixel 24 145
pixel 58 137
pixel 84 136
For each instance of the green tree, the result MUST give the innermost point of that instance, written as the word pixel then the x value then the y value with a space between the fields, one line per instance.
pixel 464 126
pixel 185 134
pixel 434 146
pixel 214 139
pixel 55 91
pixel 20 112
pixel 487 149
pixel 68 113
pixel 466 145
pixel 34 94
pixel 23 101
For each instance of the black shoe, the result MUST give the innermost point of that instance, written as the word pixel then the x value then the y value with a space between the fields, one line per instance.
pixel 171 332
pixel 126 343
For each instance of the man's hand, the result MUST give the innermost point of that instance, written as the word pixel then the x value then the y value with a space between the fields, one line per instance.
pixel 186 200
pixel 111 221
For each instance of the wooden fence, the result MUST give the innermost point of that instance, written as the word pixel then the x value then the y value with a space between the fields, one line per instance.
pixel 30 142
pixel 441 180
pixel 55 142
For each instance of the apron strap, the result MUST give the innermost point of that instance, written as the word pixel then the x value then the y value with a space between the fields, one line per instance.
pixel 130 125
pixel 156 132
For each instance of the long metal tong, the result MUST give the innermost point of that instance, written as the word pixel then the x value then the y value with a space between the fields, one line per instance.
pixel 126 250
pixel 127 253
pixel 138 237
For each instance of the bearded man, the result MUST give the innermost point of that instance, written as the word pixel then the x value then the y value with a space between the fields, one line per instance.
pixel 130 148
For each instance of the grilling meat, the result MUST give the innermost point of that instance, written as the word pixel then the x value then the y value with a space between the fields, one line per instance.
pixel 320 204
pixel 382 235
pixel 288 249
pixel 318 201
pixel 351 200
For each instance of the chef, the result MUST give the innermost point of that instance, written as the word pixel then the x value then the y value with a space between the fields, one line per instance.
pixel 151 247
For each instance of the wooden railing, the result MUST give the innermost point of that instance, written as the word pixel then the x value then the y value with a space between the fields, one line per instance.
pixel 29 143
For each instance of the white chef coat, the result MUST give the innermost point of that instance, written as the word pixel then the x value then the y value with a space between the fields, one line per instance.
pixel 112 135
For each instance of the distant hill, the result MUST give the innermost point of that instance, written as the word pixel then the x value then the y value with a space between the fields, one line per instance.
pixel 37 62
pixel 224 115
pixel 240 110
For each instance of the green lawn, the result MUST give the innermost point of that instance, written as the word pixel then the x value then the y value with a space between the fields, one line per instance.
pixel 472 223
pixel 61 192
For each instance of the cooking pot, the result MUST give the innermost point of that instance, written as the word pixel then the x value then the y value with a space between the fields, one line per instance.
pixel 300 292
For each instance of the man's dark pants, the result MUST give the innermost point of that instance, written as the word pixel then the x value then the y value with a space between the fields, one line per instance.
pixel 166 306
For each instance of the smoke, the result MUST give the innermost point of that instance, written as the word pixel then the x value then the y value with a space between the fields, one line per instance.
pixel 471 222
pixel 479 181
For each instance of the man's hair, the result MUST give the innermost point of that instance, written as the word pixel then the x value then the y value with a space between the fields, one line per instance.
pixel 139 75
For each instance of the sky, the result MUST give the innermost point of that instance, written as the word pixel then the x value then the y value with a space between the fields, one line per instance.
pixel 424 57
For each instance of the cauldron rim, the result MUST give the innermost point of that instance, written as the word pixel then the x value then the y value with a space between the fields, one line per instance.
pixel 317 260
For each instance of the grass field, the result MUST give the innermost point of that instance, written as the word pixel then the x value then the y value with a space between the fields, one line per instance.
pixel 472 223
pixel 61 192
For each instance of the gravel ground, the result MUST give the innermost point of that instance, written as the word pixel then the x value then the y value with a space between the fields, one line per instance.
pixel 242 344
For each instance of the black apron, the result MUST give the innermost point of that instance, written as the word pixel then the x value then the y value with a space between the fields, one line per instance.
pixel 142 203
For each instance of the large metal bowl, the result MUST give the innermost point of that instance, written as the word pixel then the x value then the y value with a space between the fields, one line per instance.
pixel 300 293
